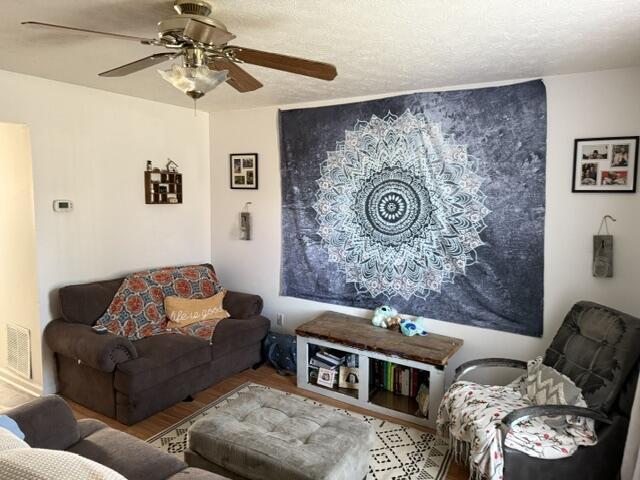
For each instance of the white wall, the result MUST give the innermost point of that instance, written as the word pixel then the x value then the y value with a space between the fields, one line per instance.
pixel 91 147
pixel 18 275
pixel 581 105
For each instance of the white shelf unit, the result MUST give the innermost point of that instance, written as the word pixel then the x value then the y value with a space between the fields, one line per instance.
pixel 436 379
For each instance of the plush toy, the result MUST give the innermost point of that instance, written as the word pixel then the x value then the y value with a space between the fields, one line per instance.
pixel 393 323
pixel 381 316
pixel 413 327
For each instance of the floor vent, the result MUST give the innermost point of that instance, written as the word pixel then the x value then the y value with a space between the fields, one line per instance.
pixel 19 350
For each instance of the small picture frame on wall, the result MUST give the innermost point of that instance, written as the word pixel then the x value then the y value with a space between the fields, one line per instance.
pixel 243 170
pixel 605 165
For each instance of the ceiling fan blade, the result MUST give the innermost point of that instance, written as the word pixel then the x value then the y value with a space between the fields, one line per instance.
pixel 300 66
pixel 138 65
pixel 93 32
pixel 239 78
pixel 204 33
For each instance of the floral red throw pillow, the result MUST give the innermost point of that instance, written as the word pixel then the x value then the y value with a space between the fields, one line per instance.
pixel 137 309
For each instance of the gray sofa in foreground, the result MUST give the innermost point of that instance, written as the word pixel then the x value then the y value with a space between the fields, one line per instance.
pixel 48 422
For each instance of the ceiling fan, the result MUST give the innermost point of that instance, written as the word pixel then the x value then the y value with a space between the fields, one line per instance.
pixel 201 42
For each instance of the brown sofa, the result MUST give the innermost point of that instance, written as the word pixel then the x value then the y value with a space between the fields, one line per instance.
pixel 48 423
pixel 131 380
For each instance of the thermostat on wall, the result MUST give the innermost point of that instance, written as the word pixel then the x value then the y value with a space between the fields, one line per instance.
pixel 62 205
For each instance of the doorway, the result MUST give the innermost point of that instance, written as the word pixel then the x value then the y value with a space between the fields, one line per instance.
pixel 20 329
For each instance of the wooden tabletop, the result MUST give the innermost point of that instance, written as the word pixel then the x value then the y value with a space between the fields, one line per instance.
pixel 357 332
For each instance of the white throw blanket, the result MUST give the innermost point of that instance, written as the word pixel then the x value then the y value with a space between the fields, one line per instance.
pixel 470 415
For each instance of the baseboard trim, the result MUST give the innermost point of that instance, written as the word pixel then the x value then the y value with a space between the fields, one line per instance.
pixel 20 383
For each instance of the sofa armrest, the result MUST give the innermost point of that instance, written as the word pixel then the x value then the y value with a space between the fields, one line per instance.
pixel 467 367
pixel 47 422
pixel 527 413
pixel 80 342
pixel 242 305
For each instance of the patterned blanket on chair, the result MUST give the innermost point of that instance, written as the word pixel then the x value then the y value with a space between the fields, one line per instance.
pixel 470 416
pixel 137 309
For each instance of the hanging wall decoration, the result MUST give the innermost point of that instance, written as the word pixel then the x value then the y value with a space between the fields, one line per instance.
pixel 432 203
pixel 603 250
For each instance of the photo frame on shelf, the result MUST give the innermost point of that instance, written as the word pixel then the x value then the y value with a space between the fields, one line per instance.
pixel 605 165
pixel 243 171
pixel 326 377
pixel 348 377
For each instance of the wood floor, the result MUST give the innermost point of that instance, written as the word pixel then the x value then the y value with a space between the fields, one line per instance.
pixel 11 397
pixel 265 376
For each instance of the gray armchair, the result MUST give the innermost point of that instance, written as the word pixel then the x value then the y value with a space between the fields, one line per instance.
pixel 597 347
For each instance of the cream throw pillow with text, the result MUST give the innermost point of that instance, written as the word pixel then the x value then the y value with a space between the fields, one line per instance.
pixel 185 311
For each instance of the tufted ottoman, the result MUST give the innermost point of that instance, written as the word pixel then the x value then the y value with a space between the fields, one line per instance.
pixel 271 435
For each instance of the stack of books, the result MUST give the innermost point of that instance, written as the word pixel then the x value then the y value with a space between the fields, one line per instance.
pixel 324 359
pixel 398 379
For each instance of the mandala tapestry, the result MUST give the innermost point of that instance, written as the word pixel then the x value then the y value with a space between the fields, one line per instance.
pixel 432 203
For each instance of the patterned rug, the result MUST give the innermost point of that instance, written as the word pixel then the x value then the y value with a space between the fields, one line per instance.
pixel 400 453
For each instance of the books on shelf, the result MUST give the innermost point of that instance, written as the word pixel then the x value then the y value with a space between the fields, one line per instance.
pixel 318 363
pixel 398 379
pixel 329 358
pixel 351 361
pixel 333 360
pixel 322 361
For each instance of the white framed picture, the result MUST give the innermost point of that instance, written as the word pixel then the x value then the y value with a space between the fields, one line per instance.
pixel 606 164
pixel 326 377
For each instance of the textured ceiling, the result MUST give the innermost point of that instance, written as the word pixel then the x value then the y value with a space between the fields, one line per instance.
pixel 378 46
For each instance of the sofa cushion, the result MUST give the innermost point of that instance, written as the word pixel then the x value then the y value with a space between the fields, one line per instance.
pixel 127 455
pixel 242 305
pixel 597 348
pixel 85 303
pixel 160 358
pixel 89 426
pixel 232 334
pixel 137 309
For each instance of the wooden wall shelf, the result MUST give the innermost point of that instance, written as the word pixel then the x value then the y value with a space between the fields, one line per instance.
pixel 162 188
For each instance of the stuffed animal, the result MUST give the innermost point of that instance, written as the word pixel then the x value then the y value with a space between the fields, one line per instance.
pixel 413 327
pixel 381 316
pixel 393 323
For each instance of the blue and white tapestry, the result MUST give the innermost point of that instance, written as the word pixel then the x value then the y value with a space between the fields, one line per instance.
pixel 432 203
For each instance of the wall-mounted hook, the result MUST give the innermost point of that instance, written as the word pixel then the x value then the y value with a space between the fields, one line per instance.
pixel 605 224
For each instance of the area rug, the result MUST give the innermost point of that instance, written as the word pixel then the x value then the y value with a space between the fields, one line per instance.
pixel 400 453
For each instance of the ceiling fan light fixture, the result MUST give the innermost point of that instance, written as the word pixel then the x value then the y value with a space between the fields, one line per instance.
pixel 194 81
